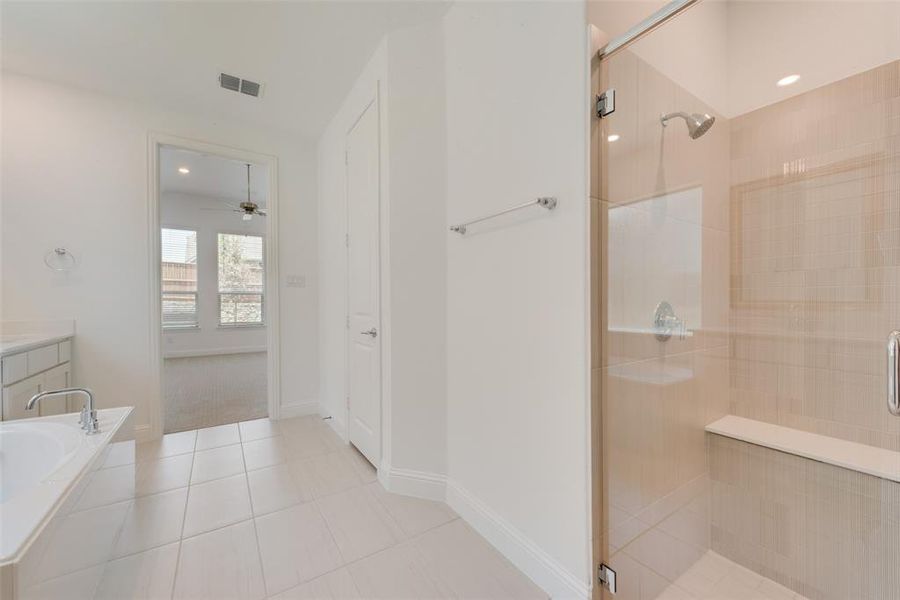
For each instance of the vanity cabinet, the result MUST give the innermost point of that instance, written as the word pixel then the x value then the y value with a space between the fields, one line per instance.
pixel 40 369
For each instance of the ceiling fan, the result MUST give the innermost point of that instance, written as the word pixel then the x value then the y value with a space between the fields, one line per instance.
pixel 248 208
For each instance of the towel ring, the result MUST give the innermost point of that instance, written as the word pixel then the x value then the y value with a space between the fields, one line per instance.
pixel 60 260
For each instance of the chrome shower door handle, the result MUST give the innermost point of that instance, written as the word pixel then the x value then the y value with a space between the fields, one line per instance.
pixel 372 332
pixel 893 376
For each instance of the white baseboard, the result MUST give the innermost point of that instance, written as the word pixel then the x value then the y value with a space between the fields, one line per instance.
pixel 298 409
pixel 542 568
pixel 338 426
pixel 430 486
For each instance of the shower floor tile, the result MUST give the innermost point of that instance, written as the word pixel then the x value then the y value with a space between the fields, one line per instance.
pixel 714 577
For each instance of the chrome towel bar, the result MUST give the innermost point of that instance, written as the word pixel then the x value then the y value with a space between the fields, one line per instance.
pixel 546 202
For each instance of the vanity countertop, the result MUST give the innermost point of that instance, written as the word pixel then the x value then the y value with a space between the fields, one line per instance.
pixel 22 342
pixel 21 336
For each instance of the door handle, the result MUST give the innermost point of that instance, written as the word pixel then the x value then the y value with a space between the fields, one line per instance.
pixel 372 332
pixel 893 372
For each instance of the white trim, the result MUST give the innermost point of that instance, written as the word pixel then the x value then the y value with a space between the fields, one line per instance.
pixel 384 321
pixel 539 566
pixel 273 345
pixel 214 351
pixel 409 482
pixel 299 409
pixel 338 425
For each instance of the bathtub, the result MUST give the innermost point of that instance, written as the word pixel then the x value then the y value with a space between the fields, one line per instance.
pixel 50 472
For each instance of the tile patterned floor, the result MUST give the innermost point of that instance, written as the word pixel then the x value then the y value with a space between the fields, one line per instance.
pixel 279 510
pixel 714 577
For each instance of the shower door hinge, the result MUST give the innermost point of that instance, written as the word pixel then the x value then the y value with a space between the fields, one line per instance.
pixel 606 577
pixel 606 103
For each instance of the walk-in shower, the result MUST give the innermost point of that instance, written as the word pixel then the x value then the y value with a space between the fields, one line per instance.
pixel 754 454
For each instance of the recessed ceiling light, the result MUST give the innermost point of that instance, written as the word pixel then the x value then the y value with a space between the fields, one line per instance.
pixel 612 138
pixel 787 80
pixel 184 170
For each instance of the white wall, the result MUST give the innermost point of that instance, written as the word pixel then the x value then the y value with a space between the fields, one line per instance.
pixel 517 331
pixel 488 333
pixel 406 71
pixel 186 211
pixel 332 250
pixel 74 174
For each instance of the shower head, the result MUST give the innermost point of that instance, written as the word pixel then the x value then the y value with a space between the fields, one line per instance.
pixel 697 124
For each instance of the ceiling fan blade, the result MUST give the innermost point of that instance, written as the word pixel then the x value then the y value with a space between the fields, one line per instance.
pixel 261 213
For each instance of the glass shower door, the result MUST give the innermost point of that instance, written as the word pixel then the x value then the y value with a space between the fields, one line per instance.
pixel 746 275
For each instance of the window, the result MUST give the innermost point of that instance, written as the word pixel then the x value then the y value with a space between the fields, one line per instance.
pixel 179 277
pixel 241 277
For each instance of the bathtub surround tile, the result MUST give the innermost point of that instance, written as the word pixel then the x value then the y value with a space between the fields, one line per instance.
pixel 337 585
pixel 120 453
pixel 296 546
pixel 359 523
pixel 214 437
pixel 265 452
pixel 83 539
pixel 170 444
pixel 217 463
pixel 215 504
pixel 273 488
pixel 222 564
pixel 108 486
pixel 144 576
pixel 152 521
pixel 154 476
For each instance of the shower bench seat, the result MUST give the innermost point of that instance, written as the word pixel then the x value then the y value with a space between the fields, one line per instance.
pixel 879 462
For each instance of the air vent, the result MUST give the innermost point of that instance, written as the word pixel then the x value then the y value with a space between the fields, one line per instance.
pixel 230 82
pixel 236 84
pixel 251 88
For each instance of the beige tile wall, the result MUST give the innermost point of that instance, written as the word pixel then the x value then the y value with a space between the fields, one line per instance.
pixel 815 258
pixel 826 532
pixel 800 284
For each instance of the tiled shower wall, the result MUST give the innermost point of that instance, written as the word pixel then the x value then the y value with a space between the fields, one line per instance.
pixel 826 532
pixel 815 290
pixel 815 258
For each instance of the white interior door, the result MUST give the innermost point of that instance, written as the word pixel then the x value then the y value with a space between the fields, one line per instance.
pixel 363 333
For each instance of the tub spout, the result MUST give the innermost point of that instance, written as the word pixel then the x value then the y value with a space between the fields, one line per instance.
pixel 88 420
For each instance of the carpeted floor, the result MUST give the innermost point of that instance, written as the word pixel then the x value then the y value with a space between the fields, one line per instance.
pixel 203 391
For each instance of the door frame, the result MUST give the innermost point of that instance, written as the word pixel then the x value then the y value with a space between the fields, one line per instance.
pixel 373 99
pixel 156 140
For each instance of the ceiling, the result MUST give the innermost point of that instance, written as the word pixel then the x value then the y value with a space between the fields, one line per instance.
pixel 731 53
pixel 307 54
pixel 210 176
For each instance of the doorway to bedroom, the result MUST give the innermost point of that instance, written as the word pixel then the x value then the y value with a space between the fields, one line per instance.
pixel 212 269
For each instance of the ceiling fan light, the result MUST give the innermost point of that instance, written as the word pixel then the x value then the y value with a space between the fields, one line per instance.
pixel 247 216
